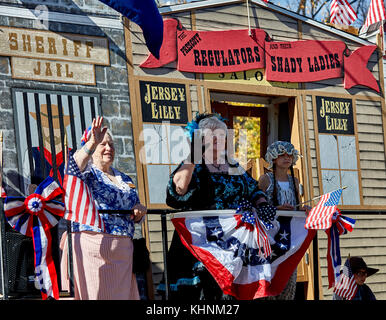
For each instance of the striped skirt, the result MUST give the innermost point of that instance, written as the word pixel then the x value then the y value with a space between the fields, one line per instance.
pixel 102 266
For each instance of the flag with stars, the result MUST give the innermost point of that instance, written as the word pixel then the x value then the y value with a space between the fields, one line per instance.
pixel 346 286
pixel 320 216
pixel 80 206
pixel 227 243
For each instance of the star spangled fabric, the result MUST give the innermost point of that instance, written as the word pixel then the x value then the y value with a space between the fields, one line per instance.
pixel 34 216
pixel 376 13
pixel 320 216
pixel 144 13
pixel 248 220
pixel 79 203
pixel 86 136
pixel 346 286
pixel 342 12
pixel 340 225
pixel 228 247
pixel 2 192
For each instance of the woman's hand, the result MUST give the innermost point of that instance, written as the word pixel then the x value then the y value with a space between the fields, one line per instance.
pixel 138 212
pixel 82 156
pixel 182 178
pixel 307 209
pixel 97 132
pixel 285 206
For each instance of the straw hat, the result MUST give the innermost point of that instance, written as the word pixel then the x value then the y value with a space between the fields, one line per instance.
pixel 55 116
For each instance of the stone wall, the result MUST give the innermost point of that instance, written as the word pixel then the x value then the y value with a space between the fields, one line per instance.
pixel 111 83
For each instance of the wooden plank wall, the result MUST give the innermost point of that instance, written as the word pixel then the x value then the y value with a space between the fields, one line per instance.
pixel 210 19
pixel 368 240
pixel 370 229
pixel 369 236
pixel 372 152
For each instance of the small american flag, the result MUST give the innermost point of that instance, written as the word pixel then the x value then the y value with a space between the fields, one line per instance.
pixel 346 286
pixel 2 192
pixel 376 13
pixel 80 206
pixel 320 217
pixel 342 12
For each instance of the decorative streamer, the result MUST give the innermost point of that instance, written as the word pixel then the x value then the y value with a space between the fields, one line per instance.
pixel 34 216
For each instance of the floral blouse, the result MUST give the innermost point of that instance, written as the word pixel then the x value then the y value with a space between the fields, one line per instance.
pixel 108 195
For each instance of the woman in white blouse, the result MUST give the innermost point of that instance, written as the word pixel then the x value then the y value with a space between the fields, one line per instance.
pixel 282 191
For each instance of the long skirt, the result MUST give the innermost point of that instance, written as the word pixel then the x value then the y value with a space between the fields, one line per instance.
pixel 102 265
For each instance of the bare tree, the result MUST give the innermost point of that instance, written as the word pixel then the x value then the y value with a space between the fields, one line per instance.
pixel 315 9
pixel 320 9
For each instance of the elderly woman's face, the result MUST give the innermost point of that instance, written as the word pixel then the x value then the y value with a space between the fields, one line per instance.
pixel 105 151
pixel 215 141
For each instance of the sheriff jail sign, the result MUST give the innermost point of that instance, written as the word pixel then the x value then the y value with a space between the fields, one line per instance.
pixel 335 115
pixel 55 57
pixel 163 102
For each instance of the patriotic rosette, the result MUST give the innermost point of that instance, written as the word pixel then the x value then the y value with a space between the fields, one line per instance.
pixel 247 219
pixel 34 216
pixel 340 225
pixel 326 216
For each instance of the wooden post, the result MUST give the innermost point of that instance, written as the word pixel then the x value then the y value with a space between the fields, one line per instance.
pixel 3 258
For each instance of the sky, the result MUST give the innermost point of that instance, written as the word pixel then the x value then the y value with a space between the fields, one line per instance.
pixel 292 5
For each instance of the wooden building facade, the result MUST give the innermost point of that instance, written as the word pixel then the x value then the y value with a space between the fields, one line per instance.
pixel 110 81
pixel 329 161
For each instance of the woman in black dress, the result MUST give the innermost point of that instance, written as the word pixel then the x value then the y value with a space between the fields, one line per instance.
pixel 215 183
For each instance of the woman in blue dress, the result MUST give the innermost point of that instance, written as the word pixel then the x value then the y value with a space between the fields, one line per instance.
pixel 213 184
pixel 103 259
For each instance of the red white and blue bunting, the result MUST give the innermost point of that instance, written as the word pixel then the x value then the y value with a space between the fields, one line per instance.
pixel 340 225
pixel 34 216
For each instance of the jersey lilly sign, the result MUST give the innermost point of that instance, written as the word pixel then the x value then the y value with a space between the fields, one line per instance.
pixel 236 50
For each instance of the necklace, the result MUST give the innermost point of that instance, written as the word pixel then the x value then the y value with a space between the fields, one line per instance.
pixel 217 166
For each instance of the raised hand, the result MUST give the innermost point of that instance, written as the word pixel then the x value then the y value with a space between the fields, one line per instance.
pixel 97 132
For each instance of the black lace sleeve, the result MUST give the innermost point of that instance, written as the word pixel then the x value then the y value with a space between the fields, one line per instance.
pixel 198 195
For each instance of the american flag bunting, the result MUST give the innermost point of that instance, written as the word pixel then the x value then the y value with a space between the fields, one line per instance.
pixel 342 12
pixel 320 216
pixel 346 286
pixel 80 206
pixel 34 216
pixel 376 13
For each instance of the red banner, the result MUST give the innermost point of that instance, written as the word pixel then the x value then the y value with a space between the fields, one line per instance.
pixel 236 50
pixel 304 61
pixel 220 51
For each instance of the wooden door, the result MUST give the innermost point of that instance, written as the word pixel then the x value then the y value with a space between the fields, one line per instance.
pixel 253 119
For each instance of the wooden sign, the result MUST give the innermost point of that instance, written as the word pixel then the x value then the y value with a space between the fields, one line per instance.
pixel 163 102
pixel 54 57
pixel 52 71
pixel 335 115
pixel 29 43
pixel 254 77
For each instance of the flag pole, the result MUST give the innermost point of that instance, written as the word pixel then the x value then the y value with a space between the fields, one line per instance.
pixel 3 266
pixel 69 236
pixel 315 198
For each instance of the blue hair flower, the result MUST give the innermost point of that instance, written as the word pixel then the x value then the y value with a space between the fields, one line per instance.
pixel 192 125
